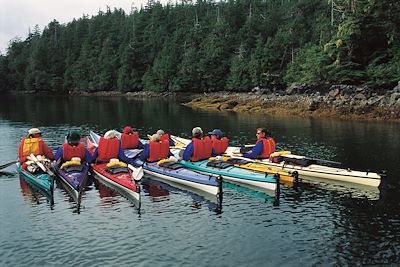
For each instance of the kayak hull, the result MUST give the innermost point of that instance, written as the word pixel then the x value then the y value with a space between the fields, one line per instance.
pixel 74 182
pixel 313 171
pixel 183 178
pixel 41 181
pixel 121 182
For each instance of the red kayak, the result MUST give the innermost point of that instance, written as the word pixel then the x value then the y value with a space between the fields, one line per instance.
pixel 118 178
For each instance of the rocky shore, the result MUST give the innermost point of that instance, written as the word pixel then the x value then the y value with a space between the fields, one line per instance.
pixel 339 101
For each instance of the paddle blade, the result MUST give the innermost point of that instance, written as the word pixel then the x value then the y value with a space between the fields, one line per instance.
pixel 137 172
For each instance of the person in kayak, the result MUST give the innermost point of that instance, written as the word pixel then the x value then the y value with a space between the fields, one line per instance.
pixel 33 144
pixel 165 136
pixel 156 149
pixel 200 148
pixel 264 147
pixel 73 148
pixel 219 142
pixel 130 139
pixel 109 148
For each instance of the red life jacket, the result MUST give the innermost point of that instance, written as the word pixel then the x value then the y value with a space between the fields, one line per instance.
pixel 219 145
pixel 31 146
pixel 108 149
pixel 129 141
pixel 269 147
pixel 73 151
pixel 158 150
pixel 202 148
pixel 165 137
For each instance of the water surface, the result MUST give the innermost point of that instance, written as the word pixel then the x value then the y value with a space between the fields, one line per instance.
pixel 318 224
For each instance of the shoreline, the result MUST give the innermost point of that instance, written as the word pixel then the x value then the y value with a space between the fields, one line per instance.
pixel 334 103
pixel 328 101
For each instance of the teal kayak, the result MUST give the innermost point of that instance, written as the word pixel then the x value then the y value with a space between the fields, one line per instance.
pixel 41 181
pixel 255 180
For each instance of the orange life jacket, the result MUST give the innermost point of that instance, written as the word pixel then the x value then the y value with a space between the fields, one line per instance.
pixel 269 147
pixel 129 141
pixel 219 145
pixel 32 146
pixel 165 137
pixel 202 149
pixel 158 150
pixel 108 149
pixel 73 151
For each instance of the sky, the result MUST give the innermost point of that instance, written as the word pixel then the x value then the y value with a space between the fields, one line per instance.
pixel 17 16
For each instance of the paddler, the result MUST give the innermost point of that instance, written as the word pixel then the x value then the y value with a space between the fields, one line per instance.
pixel 109 148
pixel 33 144
pixel 156 149
pixel 219 142
pixel 165 136
pixel 264 147
pixel 130 139
pixel 200 148
pixel 73 148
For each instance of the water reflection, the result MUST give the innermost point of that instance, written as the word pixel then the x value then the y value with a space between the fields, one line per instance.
pixel 30 193
pixel 159 191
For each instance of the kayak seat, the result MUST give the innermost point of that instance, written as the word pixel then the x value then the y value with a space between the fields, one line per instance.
pixel 171 165
pixel 116 169
pixel 73 168
pixel 219 164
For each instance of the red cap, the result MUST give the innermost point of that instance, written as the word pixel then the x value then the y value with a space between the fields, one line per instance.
pixel 127 129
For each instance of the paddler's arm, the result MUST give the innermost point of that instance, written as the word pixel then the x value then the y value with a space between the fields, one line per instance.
pixel 144 155
pixel 48 152
pixel 188 152
pixel 58 153
pixel 257 150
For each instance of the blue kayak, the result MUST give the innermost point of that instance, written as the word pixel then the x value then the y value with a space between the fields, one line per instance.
pixel 41 181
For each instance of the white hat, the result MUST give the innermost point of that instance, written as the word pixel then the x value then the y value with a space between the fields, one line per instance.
pixel 110 134
pixel 160 132
pixel 197 130
pixel 34 131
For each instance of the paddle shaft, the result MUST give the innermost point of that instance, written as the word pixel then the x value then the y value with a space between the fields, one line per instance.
pixel 7 164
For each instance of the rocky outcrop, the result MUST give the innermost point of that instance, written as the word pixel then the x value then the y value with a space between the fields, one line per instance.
pixel 344 101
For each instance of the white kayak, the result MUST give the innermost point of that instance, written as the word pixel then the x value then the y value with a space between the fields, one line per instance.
pixel 308 171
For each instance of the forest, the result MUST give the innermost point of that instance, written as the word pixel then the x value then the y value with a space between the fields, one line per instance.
pixel 207 46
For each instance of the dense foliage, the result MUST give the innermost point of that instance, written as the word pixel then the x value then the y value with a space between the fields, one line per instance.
pixel 211 46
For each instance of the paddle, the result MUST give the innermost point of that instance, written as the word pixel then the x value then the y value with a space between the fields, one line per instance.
pixel 137 172
pixel 7 164
pixel 41 166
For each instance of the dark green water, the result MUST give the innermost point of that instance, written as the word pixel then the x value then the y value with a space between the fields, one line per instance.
pixel 319 224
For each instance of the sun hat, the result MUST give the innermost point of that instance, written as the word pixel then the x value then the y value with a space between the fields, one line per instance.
pixel 197 131
pixel 110 134
pixel 216 132
pixel 34 131
pixel 127 129
pixel 160 132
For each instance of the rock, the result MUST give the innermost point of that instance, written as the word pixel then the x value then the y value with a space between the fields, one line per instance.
pixel 334 93
pixel 360 96
pixel 393 99
pixel 313 105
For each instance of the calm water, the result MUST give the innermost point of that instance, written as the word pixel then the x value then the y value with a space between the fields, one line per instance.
pixel 318 224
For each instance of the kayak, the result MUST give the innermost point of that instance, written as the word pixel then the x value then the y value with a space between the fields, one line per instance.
pixel 40 180
pixel 119 179
pixel 308 169
pixel 255 180
pixel 74 179
pixel 177 175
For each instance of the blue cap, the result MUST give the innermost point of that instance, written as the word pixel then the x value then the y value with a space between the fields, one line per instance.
pixel 216 132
